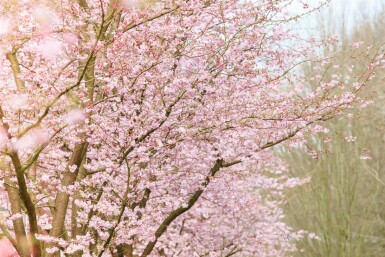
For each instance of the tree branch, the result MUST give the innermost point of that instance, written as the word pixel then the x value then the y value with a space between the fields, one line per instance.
pixel 131 26
pixel 149 132
pixel 179 211
pixel 29 205
pixel 15 66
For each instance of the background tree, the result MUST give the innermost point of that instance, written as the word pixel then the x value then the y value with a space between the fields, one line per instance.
pixel 343 203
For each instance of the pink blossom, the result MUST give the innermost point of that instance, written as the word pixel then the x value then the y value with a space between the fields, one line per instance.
pixel 7 249
pixel 357 44
pixel 74 117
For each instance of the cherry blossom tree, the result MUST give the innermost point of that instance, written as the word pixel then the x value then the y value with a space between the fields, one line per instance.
pixel 145 128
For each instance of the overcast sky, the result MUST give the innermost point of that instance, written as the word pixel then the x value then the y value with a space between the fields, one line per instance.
pixel 352 11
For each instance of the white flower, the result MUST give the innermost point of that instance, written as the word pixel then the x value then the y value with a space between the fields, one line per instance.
pixel 350 139
pixel 72 168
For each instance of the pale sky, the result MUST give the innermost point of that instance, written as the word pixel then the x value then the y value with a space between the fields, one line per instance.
pixel 355 9
pixel 352 11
